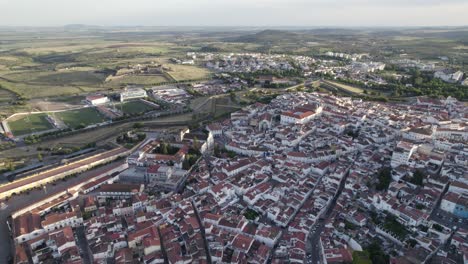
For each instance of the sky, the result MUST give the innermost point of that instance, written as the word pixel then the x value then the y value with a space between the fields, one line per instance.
pixel 348 13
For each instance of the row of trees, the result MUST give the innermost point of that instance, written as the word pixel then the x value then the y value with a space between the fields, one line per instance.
pixel 417 84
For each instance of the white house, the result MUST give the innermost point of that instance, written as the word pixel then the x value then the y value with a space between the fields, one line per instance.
pixel 59 220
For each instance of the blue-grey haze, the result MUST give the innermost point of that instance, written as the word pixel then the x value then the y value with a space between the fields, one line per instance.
pixel 235 12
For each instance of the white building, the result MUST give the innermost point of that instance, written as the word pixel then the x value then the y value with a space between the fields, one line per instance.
pixel 97 99
pixel 299 115
pixel 449 76
pixel 402 153
pixel 61 220
pixel 132 93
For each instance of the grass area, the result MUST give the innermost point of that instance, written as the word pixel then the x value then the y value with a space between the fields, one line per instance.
pixel 64 77
pixel 349 88
pixel 137 79
pixel 81 117
pixel 6 96
pixel 29 124
pixel 187 72
pixel 71 78
pixel 135 107
pixel 143 48
pixel 43 90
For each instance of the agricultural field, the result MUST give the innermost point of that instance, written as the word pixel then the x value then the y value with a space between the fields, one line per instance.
pixel 81 118
pixel 136 79
pixel 28 124
pixel 187 72
pixel 54 78
pixel 6 96
pixel 39 91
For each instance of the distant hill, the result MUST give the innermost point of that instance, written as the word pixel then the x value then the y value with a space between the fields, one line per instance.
pixel 81 27
pixel 270 36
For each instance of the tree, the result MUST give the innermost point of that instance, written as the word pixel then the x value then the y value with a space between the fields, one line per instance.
pixel 418 178
pixel 164 148
pixel 196 143
pixel 361 257
pixel 232 95
pixel 39 156
pixel 437 227
pixel 384 179
pixel 138 125
pixel 186 164
pixel 418 81
pixel 376 254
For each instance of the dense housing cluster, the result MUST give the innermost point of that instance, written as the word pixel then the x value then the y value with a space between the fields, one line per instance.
pixel 309 176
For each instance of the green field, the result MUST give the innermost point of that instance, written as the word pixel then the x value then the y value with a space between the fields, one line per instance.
pixel 137 79
pixel 346 87
pixel 6 96
pixel 81 117
pixel 187 72
pixel 135 107
pixel 43 90
pixel 29 124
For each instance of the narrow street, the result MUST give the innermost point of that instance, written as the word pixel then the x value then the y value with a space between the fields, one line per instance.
pixel 82 243
pixel 313 249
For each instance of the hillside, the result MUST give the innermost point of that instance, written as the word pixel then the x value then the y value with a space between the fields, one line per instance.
pixel 270 36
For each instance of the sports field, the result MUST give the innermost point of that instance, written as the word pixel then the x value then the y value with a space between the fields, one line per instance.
pixel 136 107
pixel 81 117
pixel 29 124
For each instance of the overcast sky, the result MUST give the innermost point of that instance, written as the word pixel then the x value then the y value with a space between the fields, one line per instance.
pixel 235 12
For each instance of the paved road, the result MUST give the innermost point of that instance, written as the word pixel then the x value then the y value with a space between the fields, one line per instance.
pixel 21 201
pixel 82 243
pixel 313 249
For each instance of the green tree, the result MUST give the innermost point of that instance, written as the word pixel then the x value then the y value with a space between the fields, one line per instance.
pixel 138 125
pixel 196 144
pixel 361 257
pixel 376 254
pixel 232 94
pixel 418 177
pixel 384 179
pixel 164 149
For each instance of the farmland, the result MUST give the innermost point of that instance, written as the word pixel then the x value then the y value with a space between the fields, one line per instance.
pixel 29 124
pixel 6 96
pixel 136 79
pixel 81 118
pixel 55 66
pixel 185 72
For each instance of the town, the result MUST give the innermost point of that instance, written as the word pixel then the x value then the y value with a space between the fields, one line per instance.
pixel 222 140
pixel 308 177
